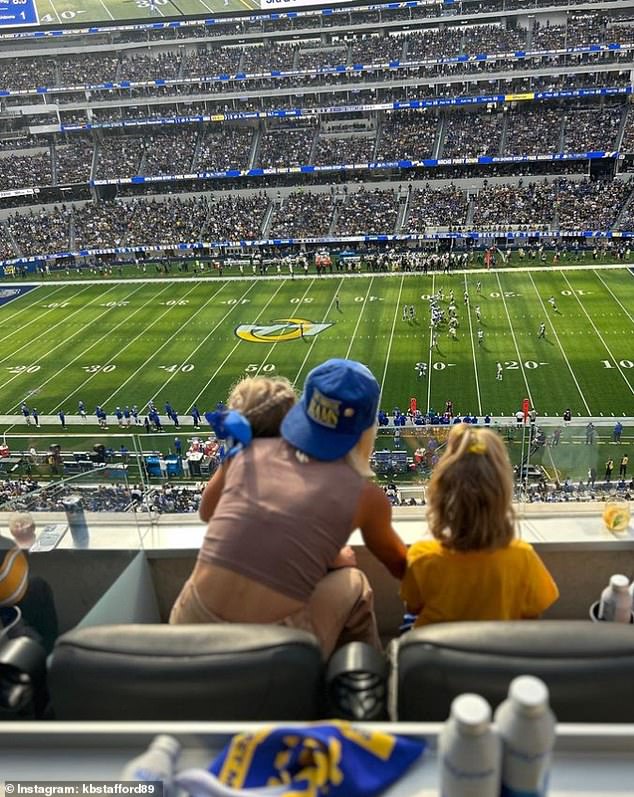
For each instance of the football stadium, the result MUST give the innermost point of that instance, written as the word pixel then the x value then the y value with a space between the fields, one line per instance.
pixel 317 397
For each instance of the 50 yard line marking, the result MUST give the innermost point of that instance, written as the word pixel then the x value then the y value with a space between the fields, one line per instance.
pixel 431 335
pixel 356 328
pixel 599 335
pixel 389 345
pixel 226 359
pixel 270 351
pixel 517 348
pixel 323 321
pixel 475 361
pixel 552 326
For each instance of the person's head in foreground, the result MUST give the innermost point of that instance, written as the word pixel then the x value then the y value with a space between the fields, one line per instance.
pixel 264 401
pixel 336 414
pixel 469 499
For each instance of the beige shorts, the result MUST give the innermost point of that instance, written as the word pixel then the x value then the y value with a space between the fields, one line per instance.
pixel 340 610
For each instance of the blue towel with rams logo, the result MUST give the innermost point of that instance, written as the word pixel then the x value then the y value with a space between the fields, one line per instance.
pixel 333 759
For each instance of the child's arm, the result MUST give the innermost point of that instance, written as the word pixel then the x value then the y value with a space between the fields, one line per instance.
pixel 211 494
pixel 410 594
pixel 374 518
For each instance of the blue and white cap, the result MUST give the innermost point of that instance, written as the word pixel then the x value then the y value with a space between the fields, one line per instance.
pixel 339 402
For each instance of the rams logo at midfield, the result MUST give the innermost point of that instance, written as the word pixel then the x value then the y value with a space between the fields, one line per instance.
pixel 280 330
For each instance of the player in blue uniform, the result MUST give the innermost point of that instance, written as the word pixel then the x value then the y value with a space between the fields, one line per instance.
pixel 195 413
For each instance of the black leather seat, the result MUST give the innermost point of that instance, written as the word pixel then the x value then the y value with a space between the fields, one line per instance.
pixel 188 672
pixel 588 667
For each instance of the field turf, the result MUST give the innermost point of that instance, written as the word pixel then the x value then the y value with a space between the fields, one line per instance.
pixel 53 12
pixel 119 343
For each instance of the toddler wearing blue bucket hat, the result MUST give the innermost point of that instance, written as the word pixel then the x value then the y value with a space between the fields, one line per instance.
pixel 339 403
pixel 281 510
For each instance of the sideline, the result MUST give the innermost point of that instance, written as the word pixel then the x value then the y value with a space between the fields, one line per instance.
pixel 335 275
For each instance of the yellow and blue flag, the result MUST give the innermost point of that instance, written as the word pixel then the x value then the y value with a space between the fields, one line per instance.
pixel 331 759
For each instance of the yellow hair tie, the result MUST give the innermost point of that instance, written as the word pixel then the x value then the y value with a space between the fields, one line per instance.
pixel 477 447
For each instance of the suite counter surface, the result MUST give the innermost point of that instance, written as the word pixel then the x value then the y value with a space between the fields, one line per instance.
pixel 590 761
pixel 538 523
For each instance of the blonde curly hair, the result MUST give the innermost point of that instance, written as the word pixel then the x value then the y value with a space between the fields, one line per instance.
pixel 264 401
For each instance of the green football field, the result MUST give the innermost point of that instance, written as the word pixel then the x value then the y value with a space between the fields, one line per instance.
pixel 53 12
pixel 184 341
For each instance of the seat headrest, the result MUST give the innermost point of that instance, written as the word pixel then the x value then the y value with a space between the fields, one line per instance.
pixel 195 672
pixel 587 667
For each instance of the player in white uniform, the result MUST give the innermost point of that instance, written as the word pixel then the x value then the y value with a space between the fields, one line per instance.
pixel 477 312
pixel 421 369
pixel 542 330
pixel 499 371
pixel 480 337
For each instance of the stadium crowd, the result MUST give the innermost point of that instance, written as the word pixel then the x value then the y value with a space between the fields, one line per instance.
pixel 288 145
pixel 303 211
pixel 224 148
pixel 557 203
pixel 199 64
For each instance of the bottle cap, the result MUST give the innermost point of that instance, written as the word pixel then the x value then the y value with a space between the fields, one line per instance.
pixel 619 582
pixel 530 694
pixel 471 712
pixel 167 743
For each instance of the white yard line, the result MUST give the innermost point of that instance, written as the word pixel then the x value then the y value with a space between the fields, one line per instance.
pixel 356 327
pixel 389 345
pixel 25 308
pixel 475 361
pixel 176 332
pixel 572 373
pixel 48 331
pixel 517 348
pixel 312 343
pixel 431 335
pixel 209 8
pixel 615 297
pixel 599 335
pixel 65 342
pixel 292 312
pixel 228 357
pixel 59 19
pixel 106 9
pixel 111 359
pixel 43 334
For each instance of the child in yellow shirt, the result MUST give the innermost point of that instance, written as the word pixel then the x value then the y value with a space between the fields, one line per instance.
pixel 474 569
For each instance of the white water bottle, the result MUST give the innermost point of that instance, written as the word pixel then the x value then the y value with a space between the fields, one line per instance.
pixel 469 751
pixel 527 728
pixel 157 763
pixel 616 601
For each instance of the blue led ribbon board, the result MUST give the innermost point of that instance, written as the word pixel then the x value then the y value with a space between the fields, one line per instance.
pixel 18 12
